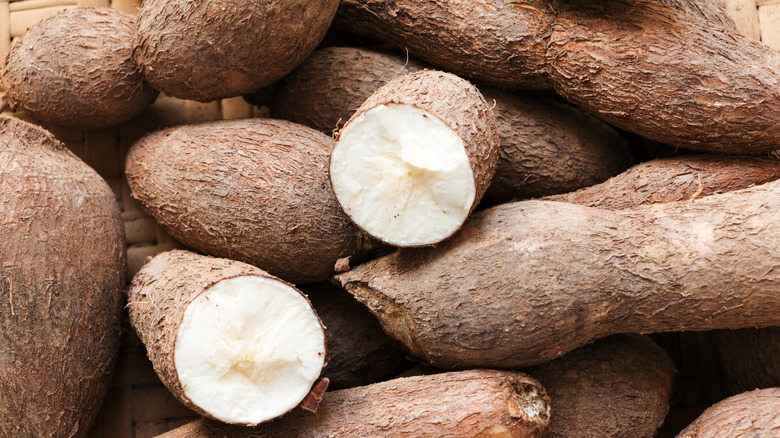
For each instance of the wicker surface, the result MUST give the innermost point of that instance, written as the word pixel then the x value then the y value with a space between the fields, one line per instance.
pixel 138 405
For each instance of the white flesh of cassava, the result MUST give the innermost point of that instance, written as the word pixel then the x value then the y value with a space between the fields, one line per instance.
pixel 249 349
pixel 401 174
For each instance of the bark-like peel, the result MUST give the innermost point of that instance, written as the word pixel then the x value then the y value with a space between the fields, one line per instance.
pixel 62 273
pixel 254 190
pixel 74 69
pixel 475 403
pixel 212 50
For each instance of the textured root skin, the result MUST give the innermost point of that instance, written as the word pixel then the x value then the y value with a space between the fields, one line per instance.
pixel 459 105
pixel 334 82
pixel 546 147
pixel 223 58
pixel 616 387
pixel 74 69
pixel 549 147
pixel 160 294
pixel 255 190
pixel 675 71
pixel 748 358
pixel 526 282
pixel 476 403
pixel 675 179
pixel 62 271
pixel 717 90
pixel 754 414
pixel 359 352
pixel 496 43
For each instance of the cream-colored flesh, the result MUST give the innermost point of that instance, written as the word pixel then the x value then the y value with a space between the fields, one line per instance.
pixel 249 349
pixel 402 175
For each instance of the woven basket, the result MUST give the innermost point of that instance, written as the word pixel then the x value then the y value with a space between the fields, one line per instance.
pixel 138 405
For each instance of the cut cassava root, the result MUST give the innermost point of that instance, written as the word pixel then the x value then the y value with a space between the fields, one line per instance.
pixel 416 158
pixel 62 273
pixel 546 146
pixel 230 341
pixel 254 190
pixel 209 51
pixel 754 414
pixel 74 69
pixel 716 91
pixel 526 282
pixel 476 403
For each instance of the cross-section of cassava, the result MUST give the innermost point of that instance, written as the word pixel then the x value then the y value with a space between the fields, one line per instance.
pixel 62 273
pixel 617 387
pixel 546 147
pixel 212 50
pixel 476 403
pixel 230 341
pixel 754 414
pixel 416 158
pixel 526 282
pixel 253 190
pixel 74 69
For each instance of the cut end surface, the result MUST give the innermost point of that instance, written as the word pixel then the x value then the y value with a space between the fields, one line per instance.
pixel 249 349
pixel 403 175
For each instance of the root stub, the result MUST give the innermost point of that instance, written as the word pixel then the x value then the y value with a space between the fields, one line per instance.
pixel 248 347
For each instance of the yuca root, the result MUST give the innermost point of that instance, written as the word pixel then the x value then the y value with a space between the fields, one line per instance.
pixel 526 282
pixel 482 403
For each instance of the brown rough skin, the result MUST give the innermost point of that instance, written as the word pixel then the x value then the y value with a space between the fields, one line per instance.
pixel 667 74
pixel 333 82
pixel 212 50
pixel 754 414
pixel 675 179
pixel 499 43
pixel 526 282
pixel 160 294
pixel 748 358
pixel 359 352
pixel 475 403
pixel 255 190
pixel 62 270
pixel 549 147
pixel 459 105
pixel 74 69
pixel 617 387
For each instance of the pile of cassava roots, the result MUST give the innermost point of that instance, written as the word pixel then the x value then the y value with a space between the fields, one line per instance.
pixel 462 218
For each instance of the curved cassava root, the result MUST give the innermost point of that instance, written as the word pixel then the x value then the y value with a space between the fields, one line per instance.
pixel 476 403
pixel 75 69
pixel 546 146
pixel 208 51
pixel 617 387
pixel 526 282
pixel 62 273
pixel 254 190
pixel 675 179
pixel 676 72
pixel 416 158
pixel 228 340
pixel 754 414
